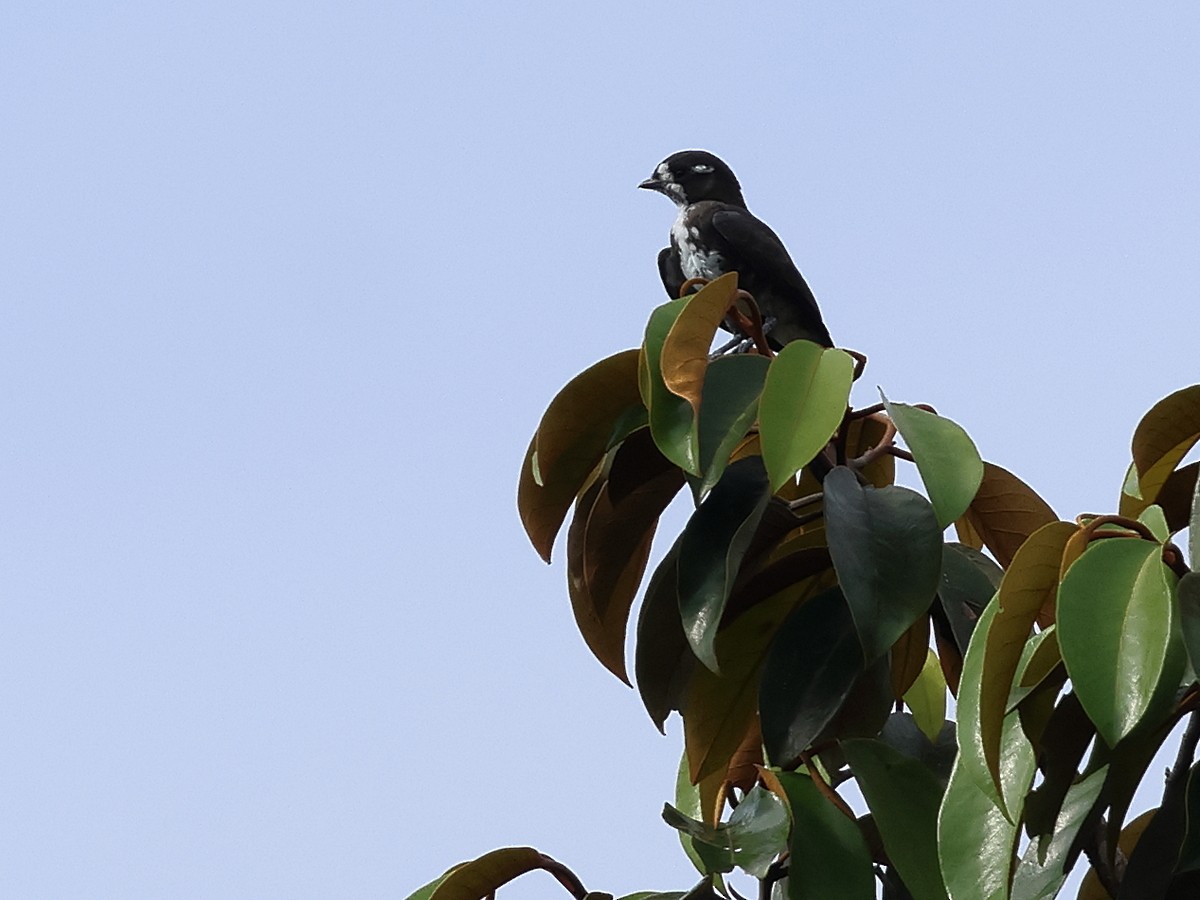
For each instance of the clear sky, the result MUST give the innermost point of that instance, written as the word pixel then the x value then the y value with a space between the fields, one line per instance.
pixel 284 288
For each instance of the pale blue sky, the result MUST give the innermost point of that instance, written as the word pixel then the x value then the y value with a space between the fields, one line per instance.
pixel 284 288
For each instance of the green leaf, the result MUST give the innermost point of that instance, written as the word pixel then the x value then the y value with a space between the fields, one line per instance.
pixel 1016 757
pixel 662 661
pixel 927 697
pixel 1042 870
pixel 887 549
pixel 975 840
pixel 803 403
pixel 672 419
pixel 1029 584
pixel 425 892
pixel 730 406
pixel 829 857
pixel 904 797
pixel 946 457
pixel 812 666
pixel 570 441
pixel 478 878
pixel 1154 519
pixel 755 834
pixel 1118 633
pixel 711 550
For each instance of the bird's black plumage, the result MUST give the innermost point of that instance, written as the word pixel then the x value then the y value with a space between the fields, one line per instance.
pixel 715 234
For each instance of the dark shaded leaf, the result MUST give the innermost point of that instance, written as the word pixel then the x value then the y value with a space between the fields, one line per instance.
pixel 720 709
pixel 1149 870
pixel 950 467
pixel 803 402
pixel 569 443
pixel 968 582
pixel 904 798
pixel 711 550
pixel 1130 836
pixel 608 544
pixel 1118 633
pixel 829 857
pixel 887 548
pixel 813 664
pixel 1176 497
pixel 663 661
pixel 902 734
pixel 732 387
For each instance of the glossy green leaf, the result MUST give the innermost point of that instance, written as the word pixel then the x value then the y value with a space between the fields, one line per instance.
pixel 684 357
pixel 1155 519
pixel 1016 758
pixel 711 550
pixel 1006 511
pixel 927 697
pixel 812 666
pixel 887 549
pixel 1163 437
pixel 426 891
pixel 753 837
pixel 672 419
pixel 976 841
pixel 1043 869
pixel 904 798
pixel 1029 584
pixel 732 388
pixel 803 403
pixel 663 662
pixel 828 856
pixel 478 878
pixel 1118 632
pixel 569 443
pixel 608 544
pixel 950 466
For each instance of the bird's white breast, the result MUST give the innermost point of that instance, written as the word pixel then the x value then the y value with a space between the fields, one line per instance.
pixel 694 259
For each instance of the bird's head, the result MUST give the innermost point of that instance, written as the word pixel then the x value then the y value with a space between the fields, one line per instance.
pixel 693 175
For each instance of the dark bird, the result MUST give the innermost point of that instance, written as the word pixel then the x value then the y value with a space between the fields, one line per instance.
pixel 714 234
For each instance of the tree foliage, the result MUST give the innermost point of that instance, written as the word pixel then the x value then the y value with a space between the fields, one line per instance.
pixel 812 617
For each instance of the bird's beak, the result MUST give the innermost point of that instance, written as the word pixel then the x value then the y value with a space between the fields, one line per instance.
pixel 653 184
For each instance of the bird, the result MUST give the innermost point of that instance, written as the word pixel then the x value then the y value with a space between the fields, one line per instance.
pixel 715 234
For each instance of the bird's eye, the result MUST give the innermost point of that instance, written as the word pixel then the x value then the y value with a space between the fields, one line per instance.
pixel 702 168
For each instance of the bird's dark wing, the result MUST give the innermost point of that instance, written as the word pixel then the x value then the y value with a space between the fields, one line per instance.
pixel 670 271
pixel 760 253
